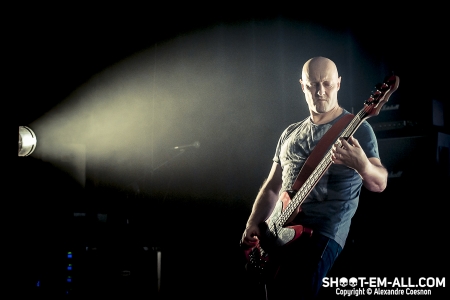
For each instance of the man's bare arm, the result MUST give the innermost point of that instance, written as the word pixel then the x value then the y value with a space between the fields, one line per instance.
pixel 264 204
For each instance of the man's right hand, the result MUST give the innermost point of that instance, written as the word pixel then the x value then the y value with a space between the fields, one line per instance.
pixel 250 236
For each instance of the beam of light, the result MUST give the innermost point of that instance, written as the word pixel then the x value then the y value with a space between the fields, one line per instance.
pixel 228 87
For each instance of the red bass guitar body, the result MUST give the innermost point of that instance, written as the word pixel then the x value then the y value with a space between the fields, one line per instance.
pixel 262 266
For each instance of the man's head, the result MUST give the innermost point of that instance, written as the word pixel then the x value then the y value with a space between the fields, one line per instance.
pixel 320 82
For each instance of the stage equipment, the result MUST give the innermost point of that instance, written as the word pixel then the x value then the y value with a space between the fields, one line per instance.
pixel 27 141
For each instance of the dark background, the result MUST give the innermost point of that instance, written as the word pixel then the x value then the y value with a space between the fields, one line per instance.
pixel 193 209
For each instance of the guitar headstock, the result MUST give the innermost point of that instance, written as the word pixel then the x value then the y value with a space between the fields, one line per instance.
pixel 383 91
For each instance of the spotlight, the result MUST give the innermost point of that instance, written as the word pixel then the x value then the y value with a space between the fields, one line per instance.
pixel 27 141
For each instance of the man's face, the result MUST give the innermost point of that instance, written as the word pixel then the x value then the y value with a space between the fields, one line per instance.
pixel 321 85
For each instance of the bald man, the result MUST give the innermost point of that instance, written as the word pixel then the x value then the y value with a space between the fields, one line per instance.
pixel 330 206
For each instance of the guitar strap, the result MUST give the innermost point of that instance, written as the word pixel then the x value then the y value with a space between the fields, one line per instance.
pixel 319 151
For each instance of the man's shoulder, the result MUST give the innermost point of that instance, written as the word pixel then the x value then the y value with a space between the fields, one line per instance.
pixel 292 127
pixel 296 124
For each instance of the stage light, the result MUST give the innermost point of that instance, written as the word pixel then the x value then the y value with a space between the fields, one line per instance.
pixel 27 141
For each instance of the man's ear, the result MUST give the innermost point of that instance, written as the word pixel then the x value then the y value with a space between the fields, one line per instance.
pixel 339 83
pixel 301 84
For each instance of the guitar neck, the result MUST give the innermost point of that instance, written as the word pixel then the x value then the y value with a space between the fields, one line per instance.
pixel 318 172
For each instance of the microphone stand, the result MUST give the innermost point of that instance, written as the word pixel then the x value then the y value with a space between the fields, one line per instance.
pixel 158 249
pixel 165 163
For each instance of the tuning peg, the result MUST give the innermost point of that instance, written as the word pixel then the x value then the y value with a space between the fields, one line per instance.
pixel 390 75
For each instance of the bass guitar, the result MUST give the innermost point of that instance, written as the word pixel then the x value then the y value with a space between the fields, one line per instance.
pixel 278 231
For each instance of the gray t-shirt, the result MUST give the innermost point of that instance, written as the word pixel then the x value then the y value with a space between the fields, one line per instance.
pixel 329 207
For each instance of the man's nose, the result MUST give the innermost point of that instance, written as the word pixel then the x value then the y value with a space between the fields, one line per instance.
pixel 320 90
